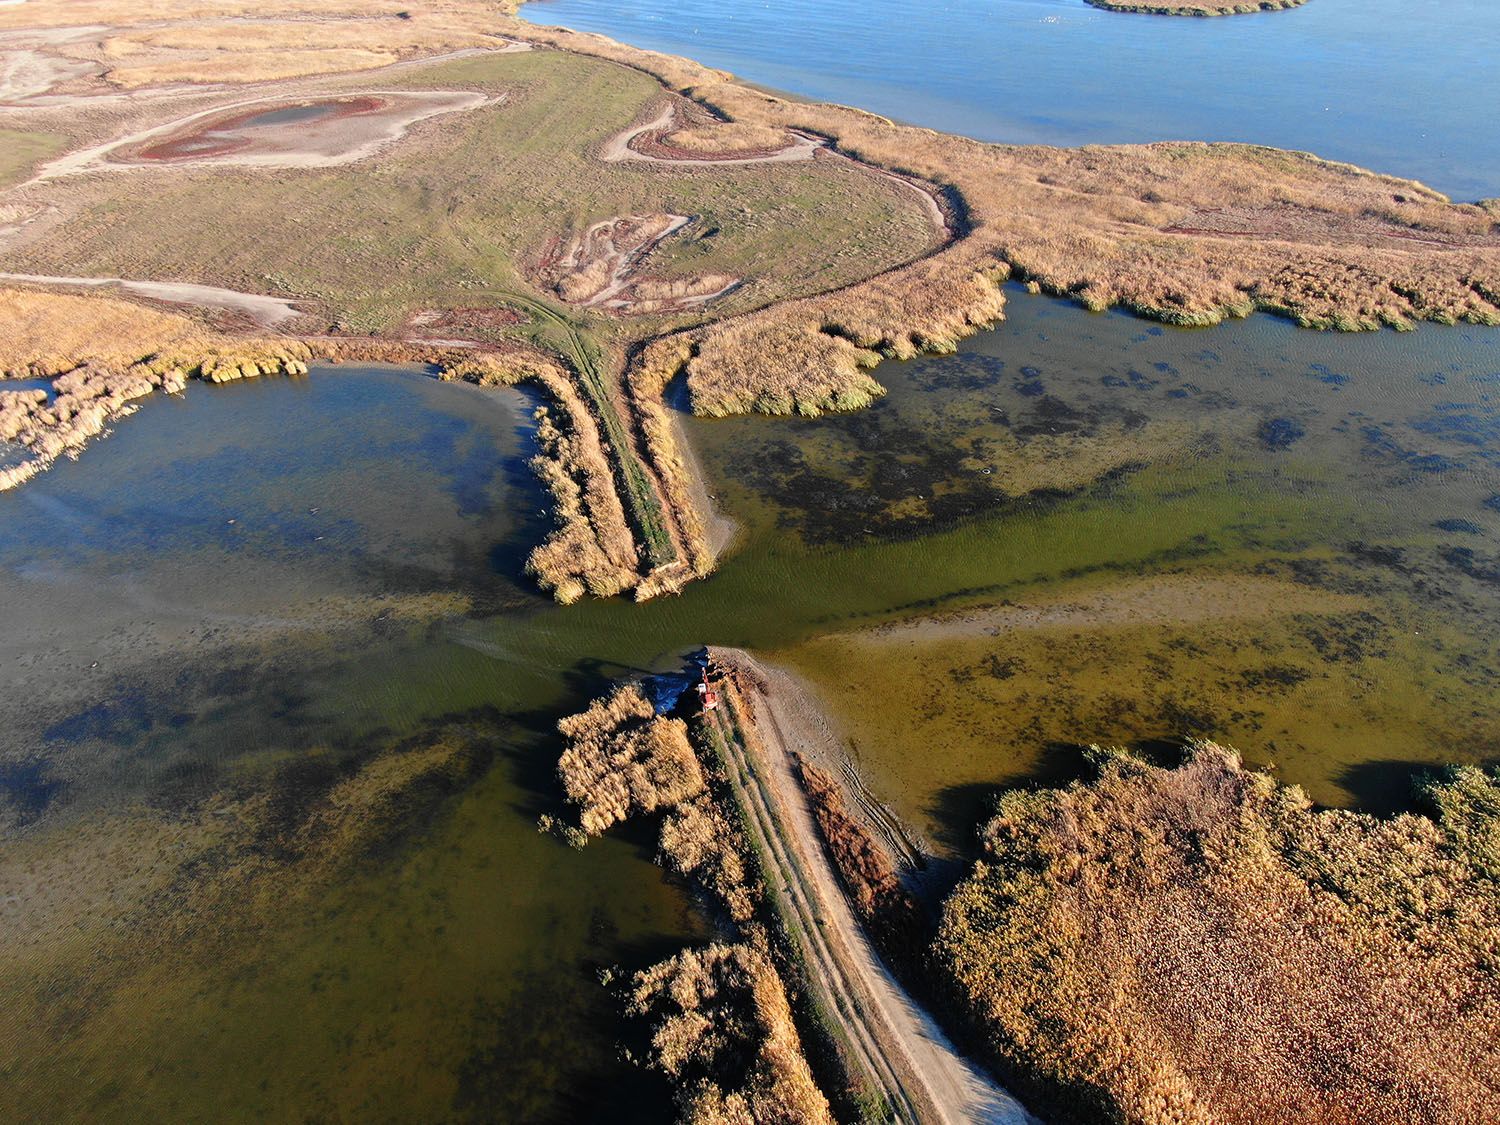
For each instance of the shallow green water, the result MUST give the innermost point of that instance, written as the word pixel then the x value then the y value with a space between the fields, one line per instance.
pixel 278 700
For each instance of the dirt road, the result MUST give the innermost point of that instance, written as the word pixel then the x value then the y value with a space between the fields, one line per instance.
pixel 269 312
pixel 922 1076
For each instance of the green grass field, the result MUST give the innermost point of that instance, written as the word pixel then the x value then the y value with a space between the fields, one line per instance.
pixel 457 212
pixel 20 152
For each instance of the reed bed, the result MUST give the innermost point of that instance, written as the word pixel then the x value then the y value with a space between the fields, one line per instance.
pixel 721 1024
pixel 1200 944
pixel 1197 7
pixel 722 1030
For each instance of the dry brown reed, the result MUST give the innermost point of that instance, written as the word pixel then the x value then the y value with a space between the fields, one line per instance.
pixel 721 1026
pixel 624 759
pixel 1197 7
pixel 864 865
pixel 722 1030
pixel 592 548
pixel 1200 944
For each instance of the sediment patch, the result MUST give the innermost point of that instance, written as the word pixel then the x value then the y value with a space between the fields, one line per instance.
pixel 599 268
pixel 273 133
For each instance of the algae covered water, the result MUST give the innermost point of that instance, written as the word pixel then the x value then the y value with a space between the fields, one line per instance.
pixel 279 701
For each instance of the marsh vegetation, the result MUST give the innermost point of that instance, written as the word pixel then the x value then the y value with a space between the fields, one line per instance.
pixel 1199 944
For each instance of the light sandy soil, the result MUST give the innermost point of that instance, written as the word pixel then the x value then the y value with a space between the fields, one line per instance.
pixel 718 528
pixel 28 71
pixel 618 150
pixel 296 146
pixel 268 312
pixel 943 1086
pixel 1175 599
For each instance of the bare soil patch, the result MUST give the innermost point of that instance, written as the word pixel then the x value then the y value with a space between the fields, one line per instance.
pixel 599 268
pixel 273 133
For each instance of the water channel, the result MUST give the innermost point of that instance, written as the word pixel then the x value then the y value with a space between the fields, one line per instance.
pixel 276 697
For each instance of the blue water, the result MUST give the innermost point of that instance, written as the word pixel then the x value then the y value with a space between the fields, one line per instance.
pixel 1407 87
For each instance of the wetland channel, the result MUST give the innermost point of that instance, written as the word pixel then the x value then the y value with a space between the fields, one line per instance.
pixel 278 701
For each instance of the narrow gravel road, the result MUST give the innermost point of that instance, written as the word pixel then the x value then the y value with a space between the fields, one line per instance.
pixel 935 1083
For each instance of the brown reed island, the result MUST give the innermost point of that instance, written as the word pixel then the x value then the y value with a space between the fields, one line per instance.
pixel 761 303
pixel 1200 944
pixel 1197 7
pixel 791 1016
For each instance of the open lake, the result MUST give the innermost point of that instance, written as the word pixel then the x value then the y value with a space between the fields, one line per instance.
pixel 1349 80
pixel 277 700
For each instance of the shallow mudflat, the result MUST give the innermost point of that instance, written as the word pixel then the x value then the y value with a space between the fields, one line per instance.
pixel 275 132
pixel 250 130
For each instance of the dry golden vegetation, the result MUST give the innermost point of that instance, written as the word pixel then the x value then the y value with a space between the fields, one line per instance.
pixel 866 868
pixel 1197 7
pixel 592 548
pixel 721 1026
pixel 110 353
pixel 1333 247
pixel 232 41
pixel 623 759
pixel 1200 944
pixel 722 1030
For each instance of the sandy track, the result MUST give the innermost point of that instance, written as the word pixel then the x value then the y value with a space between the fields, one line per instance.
pixel 939 1084
pixel 618 150
pixel 269 312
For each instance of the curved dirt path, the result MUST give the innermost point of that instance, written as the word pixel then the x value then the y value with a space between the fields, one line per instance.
pixel 934 1083
pixel 617 149
pixel 269 312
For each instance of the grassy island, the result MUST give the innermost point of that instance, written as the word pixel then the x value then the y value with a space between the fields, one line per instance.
pixel 1197 7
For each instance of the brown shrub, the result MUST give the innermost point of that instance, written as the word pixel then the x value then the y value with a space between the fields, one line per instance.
pixel 868 873
pixel 623 758
pixel 1200 945
pixel 722 1030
